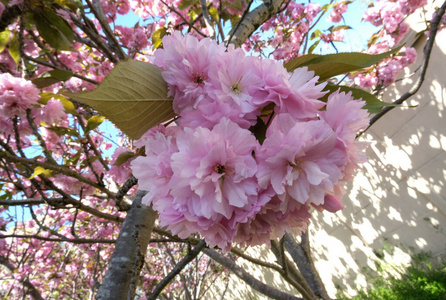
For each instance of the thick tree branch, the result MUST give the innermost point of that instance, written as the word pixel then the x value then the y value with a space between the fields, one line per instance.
pixel 238 35
pixel 248 278
pixel 427 53
pixel 128 256
pixel 292 276
pixel 302 258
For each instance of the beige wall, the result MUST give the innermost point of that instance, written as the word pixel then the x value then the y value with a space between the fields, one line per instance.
pixel 398 198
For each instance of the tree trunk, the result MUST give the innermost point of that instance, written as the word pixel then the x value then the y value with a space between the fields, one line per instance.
pixel 128 257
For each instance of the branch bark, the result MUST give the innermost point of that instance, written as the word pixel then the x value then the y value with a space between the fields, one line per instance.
pixel 302 257
pixel 128 257
pixel 248 278
pixel 239 33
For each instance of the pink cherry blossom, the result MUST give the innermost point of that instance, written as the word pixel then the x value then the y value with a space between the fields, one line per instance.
pixel 154 170
pixel 300 160
pixel 302 102
pixel 16 95
pixel 346 116
pixel 186 62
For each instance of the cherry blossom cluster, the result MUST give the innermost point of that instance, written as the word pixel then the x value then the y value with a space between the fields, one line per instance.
pixel 390 14
pixel 215 174
pixel 290 29
pixel 337 11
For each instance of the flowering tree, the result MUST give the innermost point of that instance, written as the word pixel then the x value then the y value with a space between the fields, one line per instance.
pixel 230 132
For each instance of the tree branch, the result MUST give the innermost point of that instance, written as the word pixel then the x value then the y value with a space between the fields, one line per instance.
pixel 207 18
pixel 96 8
pixel 58 169
pixel 253 20
pixel 293 276
pixel 123 206
pixel 191 254
pixel 248 278
pixel 128 256
pixel 305 264
pixel 48 239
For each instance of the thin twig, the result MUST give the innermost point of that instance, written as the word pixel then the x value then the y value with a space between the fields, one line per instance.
pixel 207 18
pixel 185 21
pixel 48 239
pixel 36 133
pixel 96 9
pixel 177 269
pixel 44 63
pixel 56 168
pixel 256 261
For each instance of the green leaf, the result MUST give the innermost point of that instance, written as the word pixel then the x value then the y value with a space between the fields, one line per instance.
pixel 124 157
pixel 60 131
pixel 72 161
pixel 236 4
pixel 213 12
pixel 337 28
pixel 157 37
pixel 14 49
pixel 327 66
pixel 67 104
pixel 39 171
pixel 374 105
pixel 52 77
pixel 326 7
pixel 133 96
pixel 186 3
pixel 298 61
pixel 317 33
pixel 54 29
pixel 373 39
pixel 311 49
pixel 5 36
pixel 73 5
pixel 94 122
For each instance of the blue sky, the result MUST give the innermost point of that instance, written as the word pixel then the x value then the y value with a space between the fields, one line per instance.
pixel 355 39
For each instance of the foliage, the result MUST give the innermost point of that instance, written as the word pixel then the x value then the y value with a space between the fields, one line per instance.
pixel 421 280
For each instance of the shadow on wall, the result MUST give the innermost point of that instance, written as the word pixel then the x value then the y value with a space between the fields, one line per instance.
pixel 399 196
pixel 397 200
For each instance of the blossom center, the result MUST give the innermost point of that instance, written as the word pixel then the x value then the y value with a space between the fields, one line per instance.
pixel 236 89
pixel 220 169
pixel 198 79
pixel 297 165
